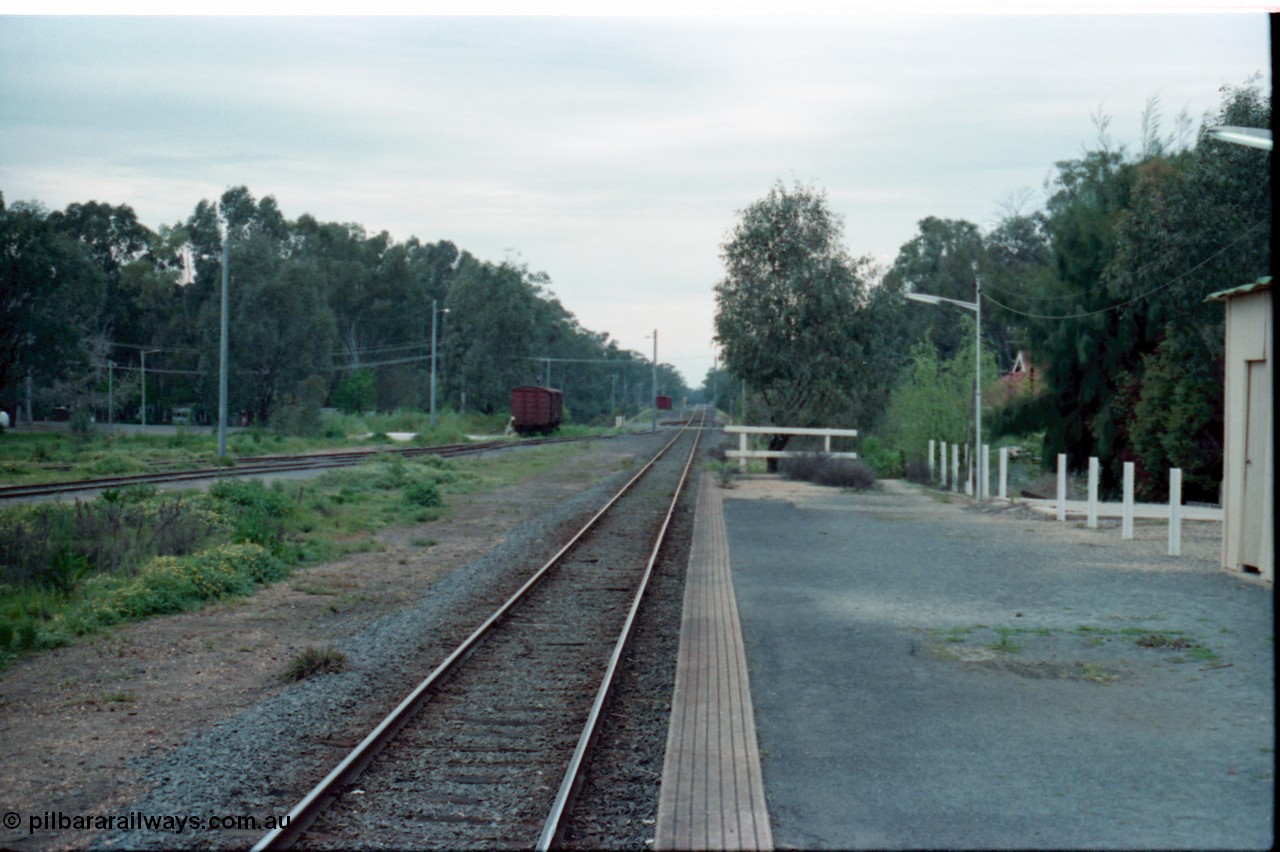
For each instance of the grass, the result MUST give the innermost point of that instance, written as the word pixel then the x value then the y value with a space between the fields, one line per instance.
pixel 313 661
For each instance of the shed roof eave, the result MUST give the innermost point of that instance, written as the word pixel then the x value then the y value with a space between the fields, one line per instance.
pixel 1263 283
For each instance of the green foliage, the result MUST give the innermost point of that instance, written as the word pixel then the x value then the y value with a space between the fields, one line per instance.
pixel 935 399
pixel 886 462
pixel 257 513
pixel 56 544
pixel 788 311
pixel 1112 300
pixel 355 392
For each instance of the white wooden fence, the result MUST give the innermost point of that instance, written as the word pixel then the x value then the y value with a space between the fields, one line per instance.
pixel 1174 512
pixel 742 454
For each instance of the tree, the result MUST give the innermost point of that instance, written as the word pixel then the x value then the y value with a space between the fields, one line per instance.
pixel 786 311
pixel 51 293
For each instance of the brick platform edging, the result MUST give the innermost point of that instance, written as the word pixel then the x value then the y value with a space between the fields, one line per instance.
pixel 712 792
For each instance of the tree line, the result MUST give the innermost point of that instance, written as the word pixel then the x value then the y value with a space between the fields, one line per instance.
pixel 1104 287
pixel 319 313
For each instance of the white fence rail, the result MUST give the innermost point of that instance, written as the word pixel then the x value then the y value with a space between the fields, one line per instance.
pixel 742 454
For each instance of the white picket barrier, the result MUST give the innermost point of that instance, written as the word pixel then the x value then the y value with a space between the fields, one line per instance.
pixel 955 468
pixel 1126 522
pixel 1175 512
pixel 1093 493
pixel 944 465
pixel 931 461
pixel 1062 487
pixel 1004 473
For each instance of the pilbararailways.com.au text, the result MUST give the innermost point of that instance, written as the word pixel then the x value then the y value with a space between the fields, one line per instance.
pixel 138 821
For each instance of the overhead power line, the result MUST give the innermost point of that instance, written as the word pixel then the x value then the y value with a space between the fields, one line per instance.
pixel 1248 232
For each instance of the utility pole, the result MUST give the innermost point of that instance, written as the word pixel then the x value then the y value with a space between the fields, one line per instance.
pixel 222 349
pixel 111 396
pixel 435 312
pixel 977 384
pixel 655 381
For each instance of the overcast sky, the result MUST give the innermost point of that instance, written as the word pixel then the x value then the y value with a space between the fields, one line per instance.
pixel 612 153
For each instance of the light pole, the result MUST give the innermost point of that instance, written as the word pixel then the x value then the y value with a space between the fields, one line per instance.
pixel 976 307
pixel 222 349
pixel 435 312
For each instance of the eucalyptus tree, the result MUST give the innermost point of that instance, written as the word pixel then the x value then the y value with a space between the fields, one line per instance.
pixel 787 311
pixel 51 294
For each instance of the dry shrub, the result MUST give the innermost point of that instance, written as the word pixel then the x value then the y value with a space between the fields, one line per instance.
pixel 824 470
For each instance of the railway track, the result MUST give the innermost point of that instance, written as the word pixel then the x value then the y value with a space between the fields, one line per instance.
pixel 263 466
pixel 487 751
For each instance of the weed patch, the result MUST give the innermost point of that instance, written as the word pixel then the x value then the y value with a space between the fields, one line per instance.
pixel 314 661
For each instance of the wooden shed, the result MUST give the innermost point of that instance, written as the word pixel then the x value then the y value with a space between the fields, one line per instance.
pixel 1248 486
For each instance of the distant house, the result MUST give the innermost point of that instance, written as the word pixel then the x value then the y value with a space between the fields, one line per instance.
pixel 1022 380
pixel 1248 486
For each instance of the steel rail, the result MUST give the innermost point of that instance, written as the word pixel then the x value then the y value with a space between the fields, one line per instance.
pixel 553 828
pixel 310 806
pixel 263 465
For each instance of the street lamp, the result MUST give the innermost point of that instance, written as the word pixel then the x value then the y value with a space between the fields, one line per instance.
pixel 976 307
pixel 435 313
pixel 1253 137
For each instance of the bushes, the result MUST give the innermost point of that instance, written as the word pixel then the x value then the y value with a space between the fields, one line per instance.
pixel 166 584
pixel 824 470
pixel 171 584
pixel 48 544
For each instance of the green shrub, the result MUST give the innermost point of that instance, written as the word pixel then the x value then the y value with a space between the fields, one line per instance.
pixel 423 493
pixel 256 512
pixel 887 462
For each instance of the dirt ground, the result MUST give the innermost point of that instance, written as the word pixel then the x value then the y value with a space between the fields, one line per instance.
pixel 74 721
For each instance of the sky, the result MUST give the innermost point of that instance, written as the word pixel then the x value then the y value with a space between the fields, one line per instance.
pixel 613 152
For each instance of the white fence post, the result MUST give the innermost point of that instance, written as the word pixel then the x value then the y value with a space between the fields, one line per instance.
pixel 970 485
pixel 1126 523
pixel 955 468
pixel 1175 511
pixel 985 492
pixel 1093 493
pixel 1004 473
pixel 1062 487
pixel 742 446
pixel 944 465
pixel 931 443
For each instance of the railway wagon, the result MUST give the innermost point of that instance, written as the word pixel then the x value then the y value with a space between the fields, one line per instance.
pixel 536 410
pixel 664 403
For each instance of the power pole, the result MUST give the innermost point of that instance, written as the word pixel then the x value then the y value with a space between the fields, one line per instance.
pixel 655 381
pixel 222 349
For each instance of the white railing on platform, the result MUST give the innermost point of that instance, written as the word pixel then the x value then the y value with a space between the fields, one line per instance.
pixel 742 454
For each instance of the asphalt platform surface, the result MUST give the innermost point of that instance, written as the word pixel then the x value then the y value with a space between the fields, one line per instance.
pixel 926 675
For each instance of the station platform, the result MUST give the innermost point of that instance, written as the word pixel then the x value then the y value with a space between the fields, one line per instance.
pixel 927 677
pixel 712 793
